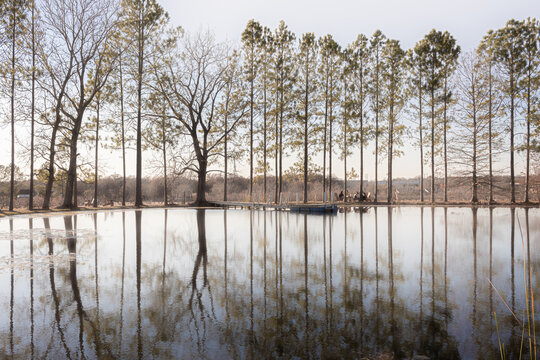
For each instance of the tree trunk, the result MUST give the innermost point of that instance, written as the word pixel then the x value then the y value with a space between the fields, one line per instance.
pixel 390 150
pixel 52 155
pixel 330 149
pixel 138 177
pixel 324 136
pixel 12 93
pixel 281 137
pixel 225 154
pixel 512 179
pixel 306 109
pixel 527 166
pixel 264 128
pixel 276 195
pixel 72 170
pixel 376 127
pixel 96 156
pixel 421 144
pixel 432 136
pixel 361 153
pixel 201 182
pixel 345 158
pixel 474 180
pixel 164 150
pixel 32 109
pixel 123 133
pixel 75 191
pixel 444 140
pixel 490 124
pixel 331 122
pixel 361 130
pixel 251 130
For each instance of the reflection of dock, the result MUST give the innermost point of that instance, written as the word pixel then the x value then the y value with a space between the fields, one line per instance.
pixel 304 208
pixel 314 208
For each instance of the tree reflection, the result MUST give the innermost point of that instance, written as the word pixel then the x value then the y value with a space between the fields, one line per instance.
pixel 491 269
pixel 12 287
pixel 31 228
pixel 396 348
pixel 326 312
pixel 474 319
pixel 446 309
pixel 241 297
pixel 377 303
pixel 361 298
pixel 72 249
pixel 306 290
pixel 96 277
pixel 121 337
pixel 265 291
pixel 251 333
pixel 421 315
pixel 138 214
pixel 197 308
pixel 56 301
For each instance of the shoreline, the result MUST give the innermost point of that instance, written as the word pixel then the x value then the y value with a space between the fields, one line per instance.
pixel 21 212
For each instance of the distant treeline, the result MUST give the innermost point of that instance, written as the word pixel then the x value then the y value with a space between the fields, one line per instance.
pixel 184 190
pixel 80 76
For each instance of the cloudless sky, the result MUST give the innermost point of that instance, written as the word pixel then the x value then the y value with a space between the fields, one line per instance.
pixel 404 20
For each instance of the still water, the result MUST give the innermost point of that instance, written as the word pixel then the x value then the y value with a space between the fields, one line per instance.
pixel 183 283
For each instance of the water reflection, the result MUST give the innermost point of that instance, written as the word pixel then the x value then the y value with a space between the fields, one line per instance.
pixel 138 215
pixel 72 249
pixel 12 287
pixel 264 284
pixel 31 227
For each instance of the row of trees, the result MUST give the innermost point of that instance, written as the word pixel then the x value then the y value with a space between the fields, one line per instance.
pixel 88 74
pixel 77 57
pixel 460 112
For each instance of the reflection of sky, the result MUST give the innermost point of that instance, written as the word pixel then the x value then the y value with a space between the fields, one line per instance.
pixel 165 300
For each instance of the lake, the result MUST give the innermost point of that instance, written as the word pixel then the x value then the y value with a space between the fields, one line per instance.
pixel 184 283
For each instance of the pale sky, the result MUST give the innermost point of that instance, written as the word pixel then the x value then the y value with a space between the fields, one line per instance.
pixel 404 20
pixel 407 21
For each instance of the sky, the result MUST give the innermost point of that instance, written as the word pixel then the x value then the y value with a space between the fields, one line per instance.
pixel 405 20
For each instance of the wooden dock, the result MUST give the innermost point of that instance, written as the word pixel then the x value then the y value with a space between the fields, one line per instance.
pixel 314 208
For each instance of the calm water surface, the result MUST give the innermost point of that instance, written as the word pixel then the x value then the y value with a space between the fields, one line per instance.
pixel 184 283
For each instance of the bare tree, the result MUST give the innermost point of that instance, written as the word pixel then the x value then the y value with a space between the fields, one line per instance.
pixel 79 65
pixel 160 134
pixel 33 100
pixel 307 62
pixel 494 106
pixel 191 82
pixel 360 55
pixel 507 45
pixel 417 75
pixel 472 136
pixel 59 69
pixel 231 107
pixel 377 42
pixel 140 20
pixel 12 28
